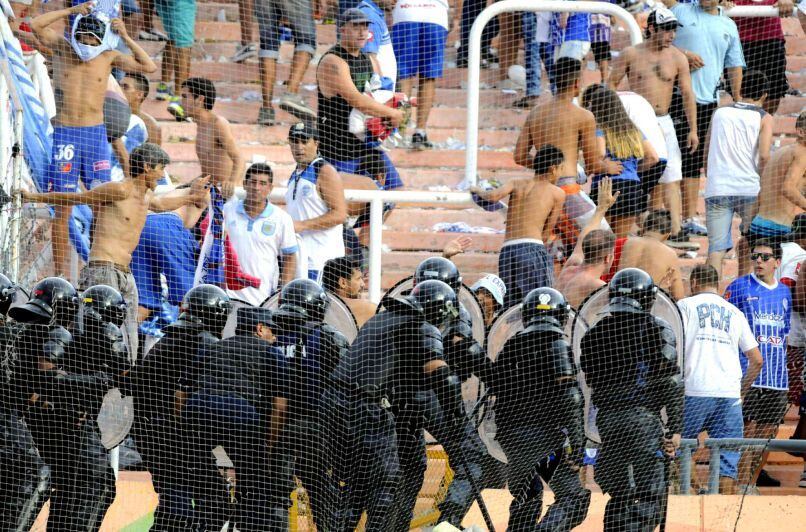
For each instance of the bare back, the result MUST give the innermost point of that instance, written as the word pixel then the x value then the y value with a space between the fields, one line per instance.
pixel 560 123
pixel 118 226
pixel 652 74
pixel 576 282
pixel 211 151
pixel 532 203
pixel 80 86
pixel 655 258
pixel 772 204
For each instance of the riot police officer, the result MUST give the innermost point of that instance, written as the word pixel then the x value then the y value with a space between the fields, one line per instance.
pixel 465 357
pixel 26 482
pixel 630 362
pixel 39 386
pixel 94 362
pixel 397 354
pixel 539 415
pixel 312 349
pixel 238 401
pixel 192 493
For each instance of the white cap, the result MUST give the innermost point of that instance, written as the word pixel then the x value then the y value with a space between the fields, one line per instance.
pixel 494 285
pixel 662 16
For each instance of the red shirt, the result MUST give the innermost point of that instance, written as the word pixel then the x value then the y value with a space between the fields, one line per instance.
pixel 616 259
pixel 758 28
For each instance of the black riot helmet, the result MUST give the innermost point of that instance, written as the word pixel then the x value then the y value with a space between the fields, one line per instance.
pixel 545 305
pixel 632 286
pixel 104 304
pixel 437 301
pixel 439 269
pixel 304 301
pixel 208 305
pixel 7 292
pixel 52 299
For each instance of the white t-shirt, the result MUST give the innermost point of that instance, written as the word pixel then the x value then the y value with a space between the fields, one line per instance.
pixel 430 11
pixel 543 26
pixel 715 332
pixel 733 151
pixel 259 242
pixel 792 256
pixel 643 116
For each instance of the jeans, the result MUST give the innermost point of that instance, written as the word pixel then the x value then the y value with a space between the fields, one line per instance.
pixel 719 211
pixel 534 53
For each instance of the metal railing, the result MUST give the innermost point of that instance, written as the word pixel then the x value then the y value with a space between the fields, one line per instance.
pixel 716 446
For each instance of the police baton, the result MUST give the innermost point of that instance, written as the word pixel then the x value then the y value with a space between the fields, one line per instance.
pixel 667 479
pixel 462 462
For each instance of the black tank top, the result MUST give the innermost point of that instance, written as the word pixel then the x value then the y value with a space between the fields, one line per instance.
pixel 336 142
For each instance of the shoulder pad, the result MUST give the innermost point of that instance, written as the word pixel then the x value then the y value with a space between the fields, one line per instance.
pixel 460 327
pixel 334 338
pixel 667 345
pixel 56 343
pixel 561 358
pixel 118 360
pixel 400 304
pixel 431 339
pixel 207 339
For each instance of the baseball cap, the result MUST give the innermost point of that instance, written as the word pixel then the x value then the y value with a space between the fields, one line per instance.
pixel 353 15
pixel 91 25
pixel 249 317
pixel 662 17
pixel 303 130
pixel 493 284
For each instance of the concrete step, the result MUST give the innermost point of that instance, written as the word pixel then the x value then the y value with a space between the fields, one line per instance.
pixel 427 241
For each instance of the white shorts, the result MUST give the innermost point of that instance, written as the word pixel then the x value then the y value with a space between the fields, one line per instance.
pixel 674 160
pixel 574 49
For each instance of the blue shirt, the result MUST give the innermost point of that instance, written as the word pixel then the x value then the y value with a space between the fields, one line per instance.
pixel 768 310
pixel 629 166
pixel 715 39
pixel 577 27
pixel 378 30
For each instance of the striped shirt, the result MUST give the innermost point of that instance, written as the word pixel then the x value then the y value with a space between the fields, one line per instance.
pixel 768 309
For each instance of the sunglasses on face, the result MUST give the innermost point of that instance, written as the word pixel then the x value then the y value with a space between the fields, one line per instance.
pixel 763 256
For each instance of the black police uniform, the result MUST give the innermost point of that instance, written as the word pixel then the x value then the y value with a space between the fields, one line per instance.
pixel 630 364
pixel 231 404
pixel 539 416
pixel 26 477
pixel 384 367
pixel 193 495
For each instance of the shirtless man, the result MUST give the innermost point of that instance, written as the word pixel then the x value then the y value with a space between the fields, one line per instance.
pixel 135 88
pixel 120 212
pixel 561 123
pixel 593 255
pixel 653 67
pixel 781 198
pixel 80 145
pixel 532 211
pixel 649 252
pixel 343 277
pixel 216 149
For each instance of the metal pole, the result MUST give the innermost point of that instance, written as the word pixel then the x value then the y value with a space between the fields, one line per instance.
pixel 474 56
pixel 685 469
pixel 375 243
pixel 16 212
pixel 713 470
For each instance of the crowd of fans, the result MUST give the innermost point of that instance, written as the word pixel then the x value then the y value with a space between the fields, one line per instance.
pixel 644 150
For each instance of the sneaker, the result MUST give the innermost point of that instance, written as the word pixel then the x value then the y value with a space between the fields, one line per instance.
pixel 682 241
pixel 176 109
pixel 766 481
pixel 419 141
pixel 297 106
pixel 525 103
pixel 693 226
pixel 164 92
pixel 802 483
pixel 244 52
pixel 265 116
pixel 152 35
pixel 508 85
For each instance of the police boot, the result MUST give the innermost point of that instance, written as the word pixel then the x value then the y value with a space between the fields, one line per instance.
pixel 566 513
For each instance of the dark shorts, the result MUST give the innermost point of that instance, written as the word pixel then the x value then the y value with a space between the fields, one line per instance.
pixel 768 57
pixel 763 228
pixel 601 51
pixel 692 161
pixel 631 200
pixel 765 406
pixel 523 266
